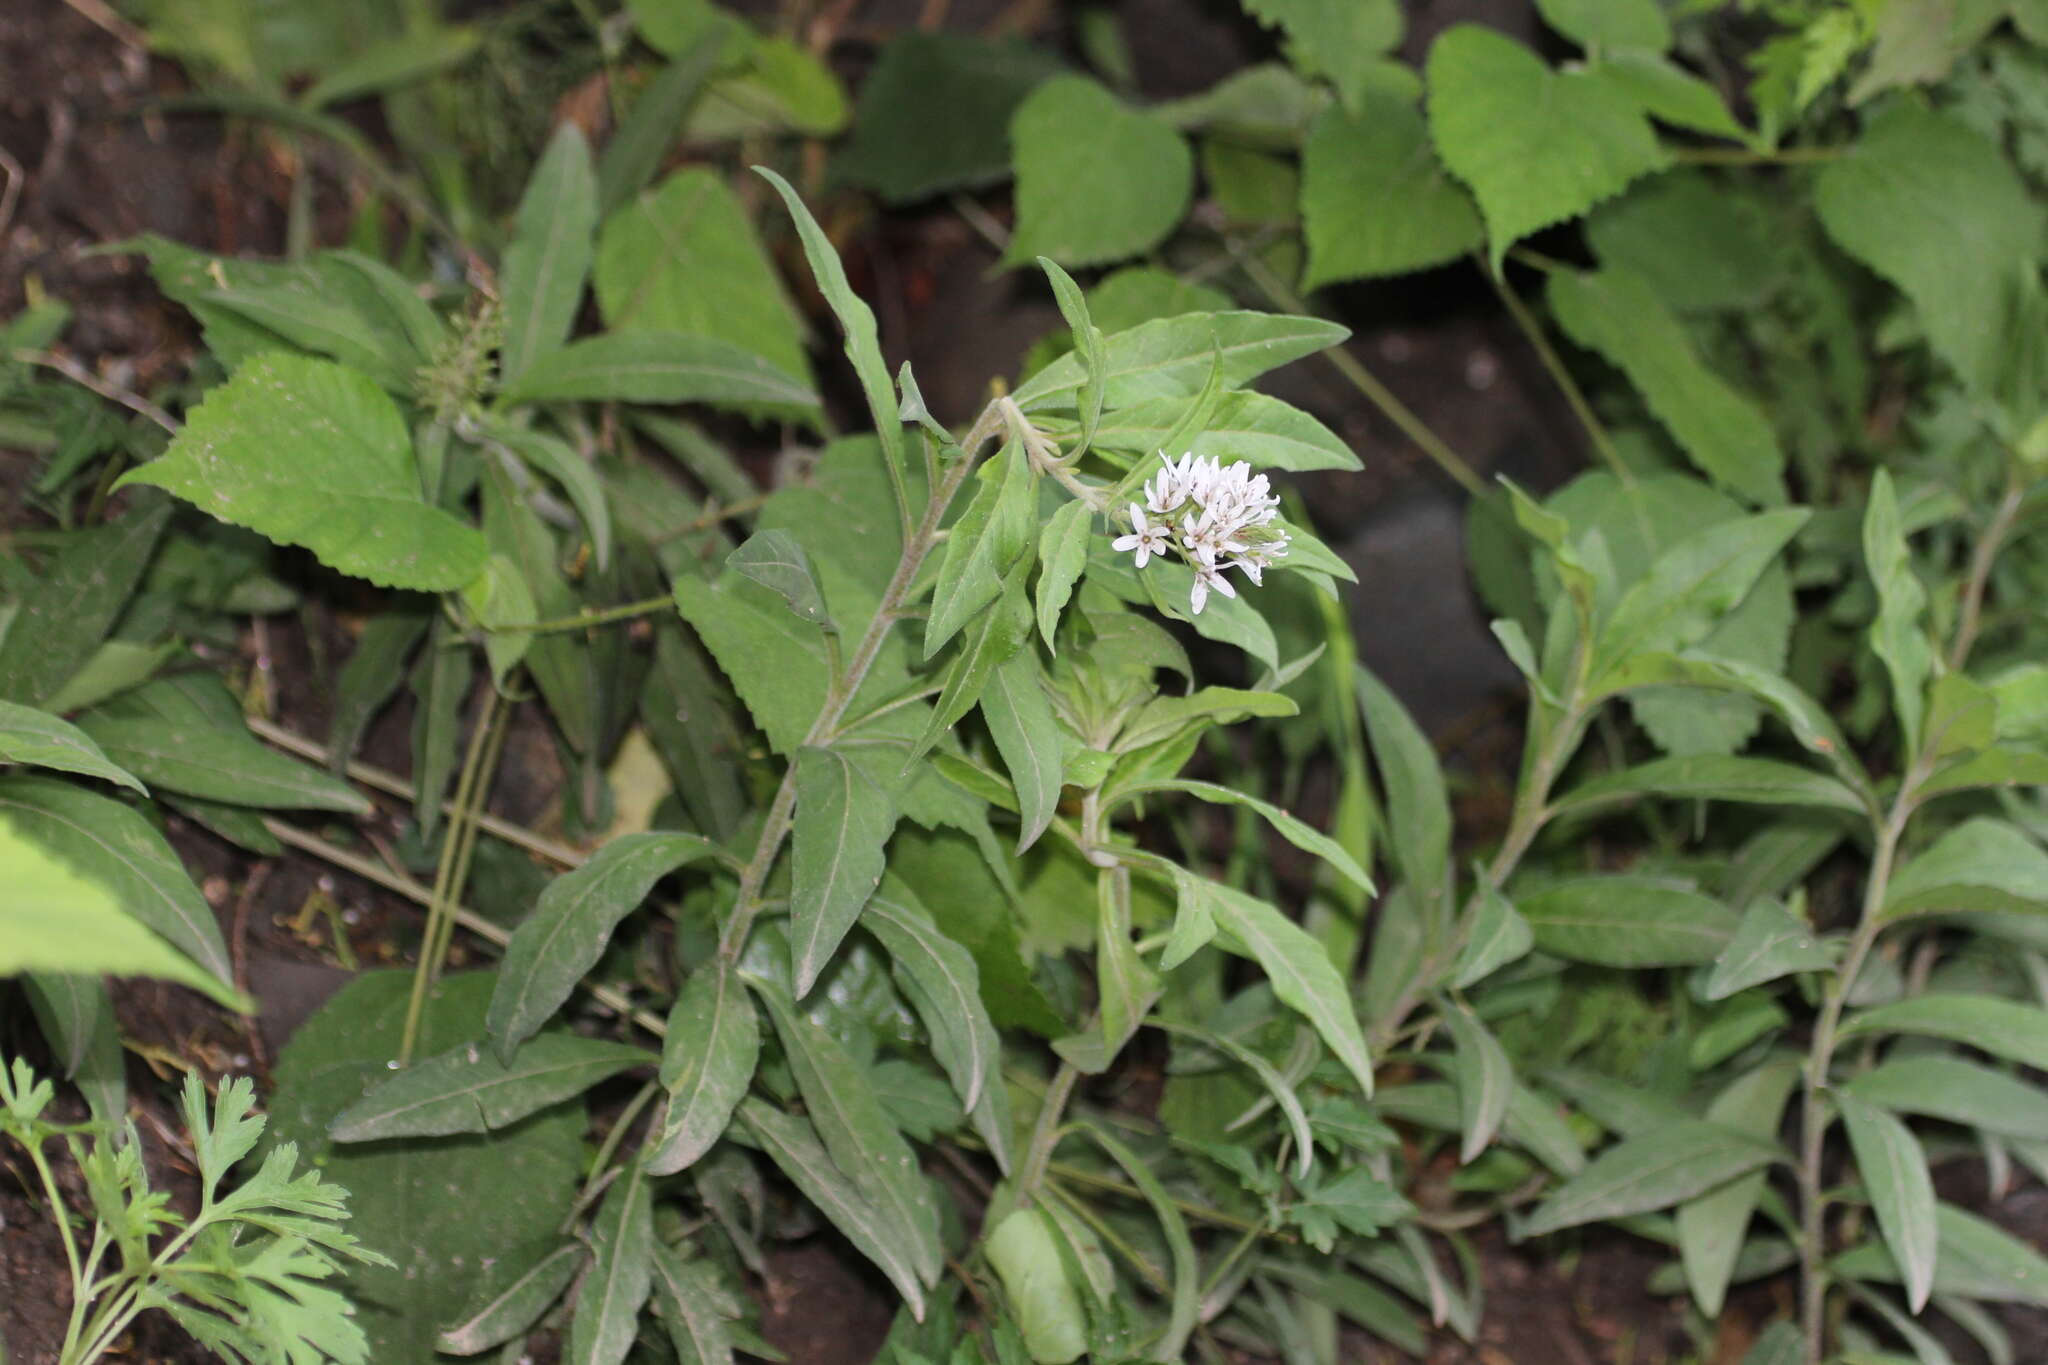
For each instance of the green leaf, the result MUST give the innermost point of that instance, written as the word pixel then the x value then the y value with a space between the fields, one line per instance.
pixel 792 1144
pixel 1356 1201
pixel 775 561
pixel 1485 1077
pixel 1780 1344
pixel 1933 206
pixel 975 557
pixel 1670 94
pixel 1338 40
pixel 940 978
pixel 1627 921
pixel 1184 1304
pixel 1713 1226
pixel 782 88
pixel 373 672
pixel 62 617
pixel 553 241
pixel 934 113
pixel 388 63
pixel 1896 635
pixel 707 1060
pixel 1418 810
pixel 67 915
pixel 1062 554
pixel 1714 777
pixel 1497 935
pixel 468 1090
pixel 498 598
pixel 1981 864
pixel 1025 1252
pixel 856 322
pixel 570 925
pixel 39 738
pixel 695 1306
pixel 621 1274
pixel 1956 1091
pixel 635 152
pixel 1172 358
pixel 1537 146
pixel 1096 179
pixel 522 1286
pixel 561 462
pixel 648 366
pixel 1254 427
pixel 683 258
pixel 1701 247
pixel 1298 969
pixel 1618 313
pixel 1374 198
pixel 1609 23
pixel 1894 1172
pixel 775 662
pixel 1691 585
pixel 842 823
pixel 1652 1170
pixel 1087 344
pixel 2000 1027
pixel 350 489
pixel 1769 942
pixel 1288 827
pixel 989 641
pixel 1028 737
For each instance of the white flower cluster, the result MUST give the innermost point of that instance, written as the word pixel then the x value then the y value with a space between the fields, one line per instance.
pixel 1225 516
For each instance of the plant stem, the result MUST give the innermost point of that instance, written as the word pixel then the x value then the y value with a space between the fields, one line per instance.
pixel 1970 618
pixel 607 1149
pixel 625 611
pixel 80 1291
pixel 1553 364
pixel 1045 1133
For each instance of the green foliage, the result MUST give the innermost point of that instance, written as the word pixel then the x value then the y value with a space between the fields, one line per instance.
pixel 1096 180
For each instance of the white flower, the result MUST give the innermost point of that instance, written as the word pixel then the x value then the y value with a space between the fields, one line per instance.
pixel 1147 538
pixel 1207 577
pixel 1174 485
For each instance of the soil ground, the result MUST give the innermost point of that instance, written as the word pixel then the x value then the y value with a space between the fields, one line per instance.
pixel 83 164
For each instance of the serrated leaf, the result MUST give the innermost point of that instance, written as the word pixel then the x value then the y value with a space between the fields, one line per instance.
pixel 1609 23
pixel 1339 40
pixel 1650 1171
pixel 1714 777
pixel 1617 312
pixel 1096 179
pixel 1537 146
pixel 1896 636
pixel 1291 828
pixel 775 662
pixel 1298 969
pixel 648 366
pixel 1172 357
pixel 1627 921
pixel 1769 942
pixel 61 618
pixel 1670 94
pixel 842 823
pixel 553 241
pixel 1374 198
pixel 38 738
pixel 521 1288
pixel 571 924
pixel 635 152
pixel 468 1090
pixel 1484 1076
pixel 707 1060
pixel 350 489
pixel 989 642
pixel 970 566
pixel 621 1275
pixel 1894 1172
pixel 2000 1027
pixel 1933 206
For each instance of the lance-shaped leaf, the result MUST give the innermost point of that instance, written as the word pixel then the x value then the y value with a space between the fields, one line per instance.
pixel 1692 585
pixel 654 366
pixel 839 1095
pixel 843 821
pixel 35 737
pixel 1896 635
pixel 519 1288
pixel 621 1274
pixel 1172 358
pixel 1769 942
pixel 181 751
pixel 695 1307
pixel 1714 777
pixel 981 547
pixel 1029 739
pixel 1652 1170
pixel 1981 864
pixel 1417 807
pixel 988 642
pixel 553 240
pixel 1299 971
pixel 571 924
pixel 1294 830
pixel 1183 1302
pixel 1628 922
pixel 775 561
pixel 559 461
pixel 1486 1079
pixel 1713 1226
pixel 1062 554
pixel 1244 425
pixel 469 1090
pixel 1497 935
pixel 1088 346
pixel 2000 1027
pixel 707 1060
pixel 939 976
pixel 348 489
pixel 792 1144
pixel 61 618
pixel 1956 1091
pixel 1894 1172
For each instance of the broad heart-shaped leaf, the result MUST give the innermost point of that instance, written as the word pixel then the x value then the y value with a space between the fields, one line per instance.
pixel 650 366
pixel 1652 1170
pixel 308 452
pixel 1609 23
pixel 522 1286
pixel 775 561
pixel 1981 864
pixel 1339 40
pixel 1253 427
pixel 1714 777
pixel 1028 737
pixel 468 1090
pixel 570 925
pixel 512 1186
pixel 59 917
pixel 792 1144
pixel 1096 179
pixel 1298 969
pixel 1713 1226
pixel 1024 1249
pixel 1956 1091
pixel 1172 358
pixel 2000 1027
pixel 553 240
pixel 1627 921
pixel 1537 146
pixel 1374 198
pixel 683 258
pixel 707 1061
pixel 111 846
pixel 1932 205
pixel 621 1275
pixel 842 823
pixel 1485 1077
pixel 1691 585
pixel 1616 312
pixel 1769 942
pixel 1894 1172
pixel 1896 635
pixel 61 617
pixel 42 740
